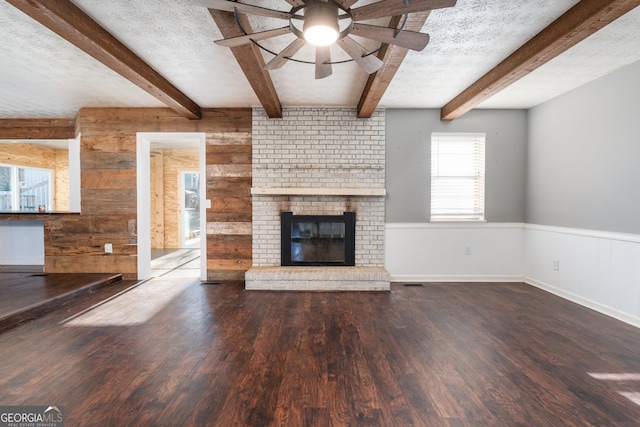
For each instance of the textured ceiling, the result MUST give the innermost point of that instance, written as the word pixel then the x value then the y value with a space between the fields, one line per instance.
pixel 42 75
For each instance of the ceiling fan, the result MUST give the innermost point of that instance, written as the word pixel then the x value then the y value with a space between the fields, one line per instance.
pixel 324 22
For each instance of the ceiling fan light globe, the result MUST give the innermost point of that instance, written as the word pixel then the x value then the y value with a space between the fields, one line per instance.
pixel 321 35
pixel 321 23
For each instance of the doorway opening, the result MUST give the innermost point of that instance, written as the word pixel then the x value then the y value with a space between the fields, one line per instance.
pixel 170 208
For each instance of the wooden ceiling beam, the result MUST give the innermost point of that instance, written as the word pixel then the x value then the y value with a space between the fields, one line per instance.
pixel 250 60
pixel 68 21
pixel 37 128
pixel 392 57
pixel 578 23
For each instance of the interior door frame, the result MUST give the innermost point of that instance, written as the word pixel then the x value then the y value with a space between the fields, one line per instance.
pixel 143 185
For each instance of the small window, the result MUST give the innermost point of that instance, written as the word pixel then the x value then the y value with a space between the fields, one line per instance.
pixel 457 176
pixel 25 189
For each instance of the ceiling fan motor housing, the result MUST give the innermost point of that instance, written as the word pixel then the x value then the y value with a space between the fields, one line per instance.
pixel 323 18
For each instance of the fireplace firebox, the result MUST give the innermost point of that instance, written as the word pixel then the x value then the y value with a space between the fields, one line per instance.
pixel 316 240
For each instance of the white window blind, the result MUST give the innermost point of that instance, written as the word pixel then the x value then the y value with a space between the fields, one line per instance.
pixel 457 176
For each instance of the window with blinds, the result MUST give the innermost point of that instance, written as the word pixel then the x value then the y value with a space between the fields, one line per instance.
pixel 25 189
pixel 457 176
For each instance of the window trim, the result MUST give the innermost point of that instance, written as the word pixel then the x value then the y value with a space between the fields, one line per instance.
pixel 479 165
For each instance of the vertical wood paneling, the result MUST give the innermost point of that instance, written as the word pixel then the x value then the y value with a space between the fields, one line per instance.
pixel 109 197
pixel 61 194
pixel 157 197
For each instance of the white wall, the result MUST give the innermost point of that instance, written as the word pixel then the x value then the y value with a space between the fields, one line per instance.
pixel 583 195
pixel 583 156
pixel 21 242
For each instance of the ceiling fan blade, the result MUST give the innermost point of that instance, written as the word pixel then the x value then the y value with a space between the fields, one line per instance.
pixel 407 39
pixel 240 40
pixel 387 8
pixel 295 3
pixel 323 62
pixel 229 6
pixel 370 63
pixel 346 3
pixel 280 59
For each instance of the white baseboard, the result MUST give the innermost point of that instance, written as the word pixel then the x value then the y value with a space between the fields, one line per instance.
pixel 611 312
pixel 456 278
pixel 20 261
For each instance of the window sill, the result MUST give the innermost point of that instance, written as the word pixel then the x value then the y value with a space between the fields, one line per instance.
pixel 457 221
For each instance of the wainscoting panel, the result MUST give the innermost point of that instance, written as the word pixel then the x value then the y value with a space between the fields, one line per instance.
pixel 21 242
pixel 599 270
pixel 450 252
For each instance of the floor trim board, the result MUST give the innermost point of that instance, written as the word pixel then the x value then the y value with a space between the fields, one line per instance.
pixel 456 278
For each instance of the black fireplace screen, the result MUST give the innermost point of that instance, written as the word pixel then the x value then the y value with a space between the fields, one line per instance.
pixel 318 239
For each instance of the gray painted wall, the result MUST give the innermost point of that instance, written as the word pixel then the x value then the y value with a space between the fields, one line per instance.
pixel 408 160
pixel 584 156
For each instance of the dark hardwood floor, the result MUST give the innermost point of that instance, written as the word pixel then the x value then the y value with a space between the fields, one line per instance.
pixel 439 355
pixel 25 295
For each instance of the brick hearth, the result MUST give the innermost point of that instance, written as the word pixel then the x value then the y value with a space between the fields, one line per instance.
pixel 317 279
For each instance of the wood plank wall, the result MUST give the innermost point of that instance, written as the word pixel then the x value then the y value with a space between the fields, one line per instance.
pixel 63 128
pixel 108 197
pixel 108 192
pixel 229 234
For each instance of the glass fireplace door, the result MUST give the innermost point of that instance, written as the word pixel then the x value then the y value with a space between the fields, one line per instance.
pixel 318 239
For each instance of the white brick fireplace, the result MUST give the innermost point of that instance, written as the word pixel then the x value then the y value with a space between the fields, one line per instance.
pixel 318 161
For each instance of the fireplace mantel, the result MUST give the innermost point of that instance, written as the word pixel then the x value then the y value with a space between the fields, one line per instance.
pixel 317 191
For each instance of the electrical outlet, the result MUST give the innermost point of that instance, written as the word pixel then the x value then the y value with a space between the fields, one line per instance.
pixel 556 265
pixel 467 250
pixel 108 248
